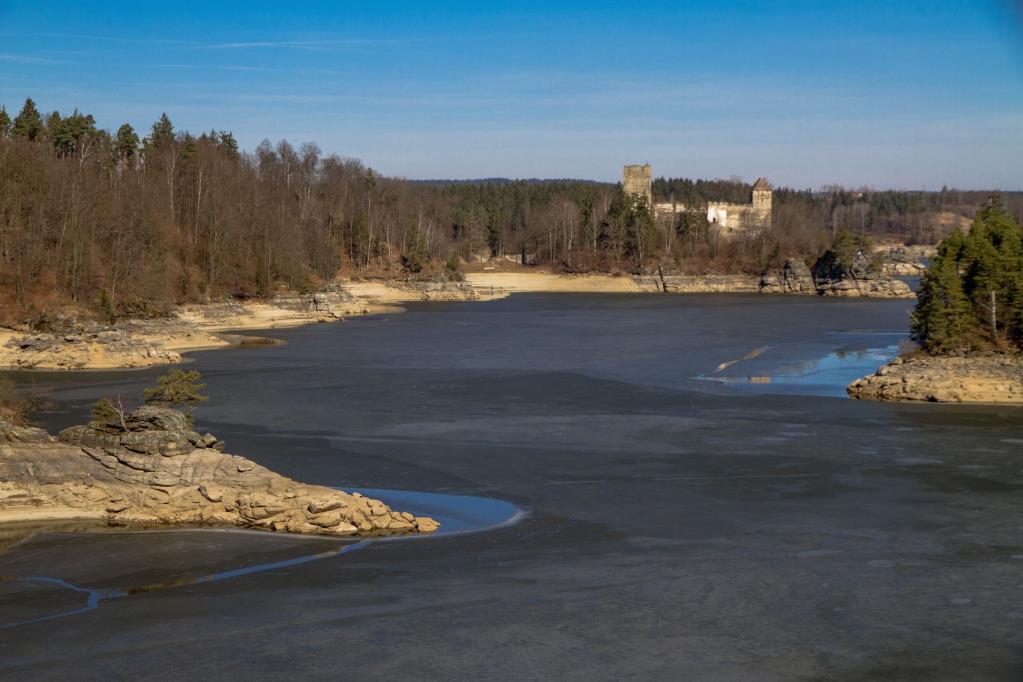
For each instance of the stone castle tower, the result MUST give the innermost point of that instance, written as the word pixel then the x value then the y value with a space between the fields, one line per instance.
pixel 762 199
pixel 638 181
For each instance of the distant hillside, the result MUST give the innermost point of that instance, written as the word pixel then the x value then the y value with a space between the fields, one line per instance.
pixel 507 181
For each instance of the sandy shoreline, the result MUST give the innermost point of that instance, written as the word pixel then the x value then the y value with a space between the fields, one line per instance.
pixel 148 343
pixel 539 282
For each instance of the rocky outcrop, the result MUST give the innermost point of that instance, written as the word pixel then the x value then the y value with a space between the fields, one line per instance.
pixel 84 348
pixel 989 378
pixel 830 277
pixel 901 261
pixel 442 289
pixel 332 303
pixel 675 283
pixel 793 278
pixel 709 284
pixel 153 468
pixel 863 277
pixel 60 342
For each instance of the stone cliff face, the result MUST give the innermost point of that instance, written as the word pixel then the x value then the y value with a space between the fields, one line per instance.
pixel 794 278
pixel 697 284
pixel 153 468
pixel 945 379
pixel 829 277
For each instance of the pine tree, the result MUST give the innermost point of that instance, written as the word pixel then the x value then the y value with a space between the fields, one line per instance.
pixel 943 320
pixel 228 145
pixel 176 387
pixel 5 124
pixel 994 256
pixel 972 293
pixel 70 136
pixel 162 134
pixel 28 123
pixel 127 143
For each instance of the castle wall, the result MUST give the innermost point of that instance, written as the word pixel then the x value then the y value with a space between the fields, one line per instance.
pixel 669 208
pixel 733 218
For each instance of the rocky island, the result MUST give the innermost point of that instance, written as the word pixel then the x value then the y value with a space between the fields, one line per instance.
pixel 150 467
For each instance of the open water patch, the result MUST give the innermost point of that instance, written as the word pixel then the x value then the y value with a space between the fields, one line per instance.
pixel 40 598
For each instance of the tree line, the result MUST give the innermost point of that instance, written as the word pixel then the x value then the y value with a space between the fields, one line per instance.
pixel 971 295
pixel 131 222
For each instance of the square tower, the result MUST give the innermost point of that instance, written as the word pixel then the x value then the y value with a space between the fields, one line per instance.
pixel 637 181
pixel 762 195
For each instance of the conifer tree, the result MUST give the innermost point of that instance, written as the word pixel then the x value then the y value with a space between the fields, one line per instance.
pixel 28 123
pixel 162 134
pixel 71 135
pixel 972 294
pixel 127 143
pixel 943 319
pixel 5 124
pixel 176 387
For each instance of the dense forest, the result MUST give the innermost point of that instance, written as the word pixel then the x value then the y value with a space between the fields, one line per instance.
pixel 971 295
pixel 128 222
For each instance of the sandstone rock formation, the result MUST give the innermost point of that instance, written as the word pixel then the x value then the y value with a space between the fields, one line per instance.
pixel 903 262
pixel 829 277
pixel 441 289
pixel 85 348
pixel 674 283
pixel 988 378
pixel 153 468
pixel 794 278
pixel 861 278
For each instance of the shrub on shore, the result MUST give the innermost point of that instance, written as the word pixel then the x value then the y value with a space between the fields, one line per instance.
pixel 176 387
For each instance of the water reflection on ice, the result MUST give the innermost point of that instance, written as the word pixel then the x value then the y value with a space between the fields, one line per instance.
pixel 827 375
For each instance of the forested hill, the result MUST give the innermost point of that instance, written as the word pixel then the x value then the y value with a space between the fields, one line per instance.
pixel 132 221
pixel 442 182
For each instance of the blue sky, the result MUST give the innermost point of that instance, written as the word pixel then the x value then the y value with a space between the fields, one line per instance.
pixel 885 94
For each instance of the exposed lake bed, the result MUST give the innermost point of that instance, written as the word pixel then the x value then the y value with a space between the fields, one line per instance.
pixel 677 526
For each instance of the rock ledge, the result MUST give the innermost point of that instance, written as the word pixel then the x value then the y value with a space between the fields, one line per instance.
pixel 990 378
pixel 155 469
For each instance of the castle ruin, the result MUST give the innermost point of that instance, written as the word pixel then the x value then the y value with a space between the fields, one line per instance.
pixel 729 219
pixel 637 181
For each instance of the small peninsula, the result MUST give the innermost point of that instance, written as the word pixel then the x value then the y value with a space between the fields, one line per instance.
pixel 148 466
pixel 968 322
